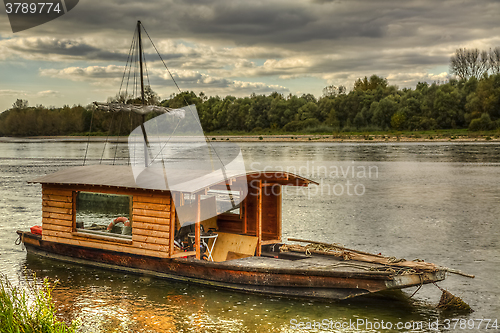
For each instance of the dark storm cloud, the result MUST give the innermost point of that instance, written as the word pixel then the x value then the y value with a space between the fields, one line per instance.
pixel 306 26
pixel 71 49
pixel 66 48
pixel 287 22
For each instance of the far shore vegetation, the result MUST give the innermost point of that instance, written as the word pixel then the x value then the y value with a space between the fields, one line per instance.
pixel 466 106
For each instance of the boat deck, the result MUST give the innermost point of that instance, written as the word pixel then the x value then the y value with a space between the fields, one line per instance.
pixel 314 264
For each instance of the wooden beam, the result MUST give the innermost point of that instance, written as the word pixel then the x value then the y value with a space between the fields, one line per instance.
pixel 197 227
pixel 172 227
pixel 89 236
pixel 278 213
pixel 74 197
pixel 245 214
pixel 271 241
pixel 259 220
pixel 183 254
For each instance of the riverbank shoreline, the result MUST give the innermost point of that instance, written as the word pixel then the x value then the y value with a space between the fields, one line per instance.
pixel 275 138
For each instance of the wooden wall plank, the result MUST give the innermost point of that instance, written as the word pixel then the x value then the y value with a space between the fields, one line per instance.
pixel 163 199
pixel 152 233
pixel 65 211
pixel 152 220
pixel 149 246
pixel 56 198
pixel 57 191
pixel 55 227
pixel 151 240
pixel 151 213
pixel 47 220
pixel 57 216
pixel 59 204
pixel 151 206
pixel 150 226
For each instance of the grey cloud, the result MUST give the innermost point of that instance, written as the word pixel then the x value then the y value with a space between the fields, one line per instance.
pixel 314 26
pixel 233 38
pixel 67 48
pixel 72 50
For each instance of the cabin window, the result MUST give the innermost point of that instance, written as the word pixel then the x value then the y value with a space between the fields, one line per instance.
pixel 104 214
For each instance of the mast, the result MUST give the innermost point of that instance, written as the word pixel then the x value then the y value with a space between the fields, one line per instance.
pixel 140 60
pixel 146 142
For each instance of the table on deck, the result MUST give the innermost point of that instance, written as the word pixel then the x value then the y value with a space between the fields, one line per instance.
pixel 205 237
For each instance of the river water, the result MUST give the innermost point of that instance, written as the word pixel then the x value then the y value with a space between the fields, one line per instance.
pixel 432 201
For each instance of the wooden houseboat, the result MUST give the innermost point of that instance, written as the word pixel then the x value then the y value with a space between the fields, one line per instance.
pixel 248 254
pixel 123 218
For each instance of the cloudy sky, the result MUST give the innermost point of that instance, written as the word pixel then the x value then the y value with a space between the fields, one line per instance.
pixel 232 47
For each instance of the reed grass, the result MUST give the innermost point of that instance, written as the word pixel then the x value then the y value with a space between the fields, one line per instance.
pixel 30 309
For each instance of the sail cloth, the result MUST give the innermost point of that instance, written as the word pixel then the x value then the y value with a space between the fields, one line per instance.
pixel 137 108
pixel 177 157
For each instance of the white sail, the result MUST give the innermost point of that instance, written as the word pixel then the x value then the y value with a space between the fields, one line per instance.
pixel 178 158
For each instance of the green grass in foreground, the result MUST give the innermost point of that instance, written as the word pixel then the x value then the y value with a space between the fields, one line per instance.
pixel 29 310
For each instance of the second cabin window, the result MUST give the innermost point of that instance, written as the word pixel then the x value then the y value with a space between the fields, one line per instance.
pixel 104 214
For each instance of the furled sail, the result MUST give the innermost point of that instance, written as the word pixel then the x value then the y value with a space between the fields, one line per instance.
pixel 175 155
pixel 137 108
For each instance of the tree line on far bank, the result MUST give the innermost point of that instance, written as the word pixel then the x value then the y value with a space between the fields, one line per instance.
pixel 373 105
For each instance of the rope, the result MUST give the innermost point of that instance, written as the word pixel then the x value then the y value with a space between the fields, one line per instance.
pixel 334 250
pixel 107 136
pixel 443 290
pixel 18 240
pixel 394 260
pixel 118 138
pixel 126 64
pixel 134 42
pixel 88 136
pixel 146 67
pixel 420 286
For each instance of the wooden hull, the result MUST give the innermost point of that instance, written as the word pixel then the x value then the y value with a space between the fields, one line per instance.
pixel 262 279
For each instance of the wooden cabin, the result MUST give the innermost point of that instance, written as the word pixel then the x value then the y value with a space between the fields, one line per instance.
pixel 78 204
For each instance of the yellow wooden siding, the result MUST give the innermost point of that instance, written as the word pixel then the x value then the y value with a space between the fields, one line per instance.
pixel 150 221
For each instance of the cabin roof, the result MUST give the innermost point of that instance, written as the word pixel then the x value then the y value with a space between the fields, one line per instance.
pixel 123 176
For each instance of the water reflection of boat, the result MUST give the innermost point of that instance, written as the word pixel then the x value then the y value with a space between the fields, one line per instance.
pixel 200 185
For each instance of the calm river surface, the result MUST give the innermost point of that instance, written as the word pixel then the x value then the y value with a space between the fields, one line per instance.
pixel 434 201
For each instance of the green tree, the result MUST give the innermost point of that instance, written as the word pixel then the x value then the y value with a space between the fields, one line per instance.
pixel 20 104
pixel 372 83
pixel 398 120
pixel 384 111
pixel 482 124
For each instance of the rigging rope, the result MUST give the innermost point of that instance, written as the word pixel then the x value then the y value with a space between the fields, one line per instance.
pixel 126 64
pixel 134 42
pixel 107 136
pixel 88 137
pixel 223 168
pixel 118 137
